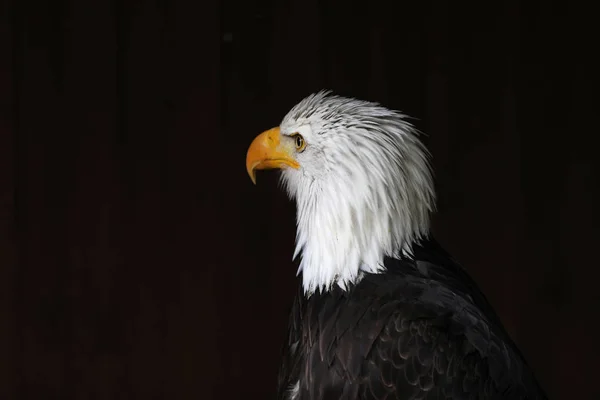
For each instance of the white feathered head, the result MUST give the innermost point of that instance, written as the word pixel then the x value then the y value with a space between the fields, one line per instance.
pixel 361 180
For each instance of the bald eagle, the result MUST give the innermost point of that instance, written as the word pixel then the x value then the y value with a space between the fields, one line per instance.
pixel 382 311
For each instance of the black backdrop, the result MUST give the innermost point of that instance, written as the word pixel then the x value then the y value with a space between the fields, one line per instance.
pixel 137 261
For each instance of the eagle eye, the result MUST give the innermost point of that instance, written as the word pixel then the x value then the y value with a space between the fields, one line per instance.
pixel 299 141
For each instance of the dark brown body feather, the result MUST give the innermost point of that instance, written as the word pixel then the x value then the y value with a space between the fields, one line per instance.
pixel 422 330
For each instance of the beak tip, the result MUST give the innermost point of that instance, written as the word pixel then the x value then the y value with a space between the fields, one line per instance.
pixel 250 168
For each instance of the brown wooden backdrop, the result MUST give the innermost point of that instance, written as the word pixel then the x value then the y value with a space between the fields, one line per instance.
pixel 137 261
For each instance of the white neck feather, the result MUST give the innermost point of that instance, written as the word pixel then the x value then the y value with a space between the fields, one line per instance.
pixel 373 200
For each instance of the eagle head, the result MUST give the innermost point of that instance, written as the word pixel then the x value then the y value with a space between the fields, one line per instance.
pixel 361 180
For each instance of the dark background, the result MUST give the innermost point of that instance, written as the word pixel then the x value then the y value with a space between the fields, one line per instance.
pixel 137 260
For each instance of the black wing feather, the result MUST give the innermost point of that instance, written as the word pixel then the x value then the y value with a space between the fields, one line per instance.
pixel 422 330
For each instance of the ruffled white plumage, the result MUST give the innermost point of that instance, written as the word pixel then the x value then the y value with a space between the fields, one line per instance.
pixel 364 190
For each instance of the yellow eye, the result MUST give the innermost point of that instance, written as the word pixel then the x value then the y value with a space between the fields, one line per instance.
pixel 299 141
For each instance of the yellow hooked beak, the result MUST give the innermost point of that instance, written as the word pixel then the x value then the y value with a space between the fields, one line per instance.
pixel 267 152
